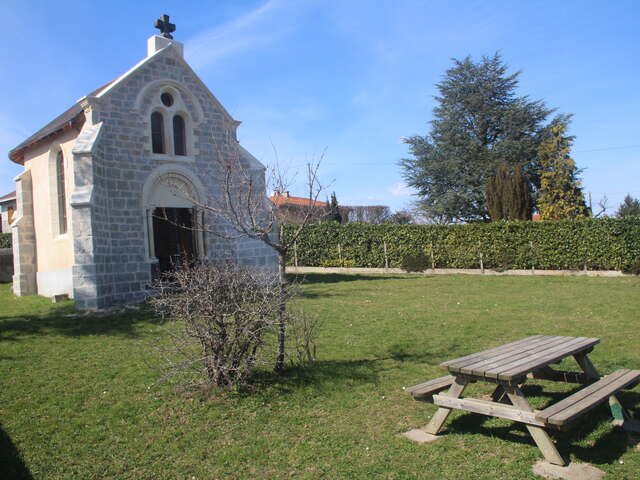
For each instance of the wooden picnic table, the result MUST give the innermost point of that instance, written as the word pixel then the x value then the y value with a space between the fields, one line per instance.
pixel 508 367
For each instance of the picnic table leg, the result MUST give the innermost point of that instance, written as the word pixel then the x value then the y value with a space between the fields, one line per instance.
pixel 498 394
pixel 539 435
pixel 438 419
pixel 617 410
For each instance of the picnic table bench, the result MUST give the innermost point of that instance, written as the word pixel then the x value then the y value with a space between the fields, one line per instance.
pixel 508 367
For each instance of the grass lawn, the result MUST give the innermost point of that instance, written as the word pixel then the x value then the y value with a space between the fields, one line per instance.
pixel 78 400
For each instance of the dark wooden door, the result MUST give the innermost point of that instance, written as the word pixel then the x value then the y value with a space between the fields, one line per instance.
pixel 173 237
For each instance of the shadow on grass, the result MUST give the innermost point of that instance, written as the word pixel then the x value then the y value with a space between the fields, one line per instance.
pixel 67 321
pixel 334 374
pixel 310 278
pixel 606 449
pixel 12 465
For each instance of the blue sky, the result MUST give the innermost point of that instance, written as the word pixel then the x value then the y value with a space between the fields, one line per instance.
pixel 351 77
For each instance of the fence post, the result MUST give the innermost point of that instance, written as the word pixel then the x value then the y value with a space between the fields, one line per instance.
pixel 386 258
pixel 533 263
pixel 340 255
pixel 295 254
pixel 433 260
pixel 481 262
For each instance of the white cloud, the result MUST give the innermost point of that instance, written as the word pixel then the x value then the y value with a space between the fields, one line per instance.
pixel 399 189
pixel 251 30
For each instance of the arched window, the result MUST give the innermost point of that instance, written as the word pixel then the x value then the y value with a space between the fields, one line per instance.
pixel 179 140
pixel 157 132
pixel 62 203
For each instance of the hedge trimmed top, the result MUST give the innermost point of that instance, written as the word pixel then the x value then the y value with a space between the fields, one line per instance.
pixel 597 244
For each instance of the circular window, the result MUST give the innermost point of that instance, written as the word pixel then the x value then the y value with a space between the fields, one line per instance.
pixel 166 99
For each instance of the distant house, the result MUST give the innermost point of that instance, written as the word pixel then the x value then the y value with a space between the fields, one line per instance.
pixel 294 209
pixel 7 208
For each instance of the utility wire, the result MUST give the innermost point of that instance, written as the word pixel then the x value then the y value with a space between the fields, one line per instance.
pixel 379 164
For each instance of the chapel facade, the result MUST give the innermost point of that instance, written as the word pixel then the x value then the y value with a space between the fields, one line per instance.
pixel 95 178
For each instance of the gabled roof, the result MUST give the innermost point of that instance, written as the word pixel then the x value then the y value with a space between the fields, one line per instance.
pixel 8 197
pixel 74 116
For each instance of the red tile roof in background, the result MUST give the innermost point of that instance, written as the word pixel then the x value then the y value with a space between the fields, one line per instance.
pixel 285 199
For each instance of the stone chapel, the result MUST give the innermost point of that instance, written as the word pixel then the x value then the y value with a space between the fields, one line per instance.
pixel 93 178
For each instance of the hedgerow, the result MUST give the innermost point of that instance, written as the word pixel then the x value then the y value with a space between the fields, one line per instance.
pixel 594 244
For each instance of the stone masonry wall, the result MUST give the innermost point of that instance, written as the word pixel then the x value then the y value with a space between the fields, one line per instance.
pixel 119 270
pixel 24 238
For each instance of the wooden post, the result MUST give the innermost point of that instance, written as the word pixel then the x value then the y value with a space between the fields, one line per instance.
pixel 533 263
pixel 340 254
pixel 540 436
pixel 590 370
pixel 481 262
pixel 433 260
pixel 438 419
pixel 386 258
pixel 295 254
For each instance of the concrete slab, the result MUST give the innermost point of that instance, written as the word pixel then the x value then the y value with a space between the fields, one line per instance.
pixel 420 436
pixel 574 471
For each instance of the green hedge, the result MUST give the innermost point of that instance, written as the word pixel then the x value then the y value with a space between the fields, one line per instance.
pixel 5 240
pixel 598 244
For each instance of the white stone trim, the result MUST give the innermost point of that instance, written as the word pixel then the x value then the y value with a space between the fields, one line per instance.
pixel 52 170
pixel 87 139
pixel 179 107
pixel 196 196
pixel 157 87
pixel 127 74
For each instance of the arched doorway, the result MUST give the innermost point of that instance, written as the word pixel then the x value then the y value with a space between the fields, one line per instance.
pixel 174 229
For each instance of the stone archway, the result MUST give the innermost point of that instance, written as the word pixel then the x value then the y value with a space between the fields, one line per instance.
pixel 173 234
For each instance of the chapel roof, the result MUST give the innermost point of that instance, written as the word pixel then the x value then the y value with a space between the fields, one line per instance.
pixel 8 196
pixel 74 115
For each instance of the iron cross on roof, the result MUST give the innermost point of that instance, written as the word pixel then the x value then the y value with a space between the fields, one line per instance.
pixel 165 27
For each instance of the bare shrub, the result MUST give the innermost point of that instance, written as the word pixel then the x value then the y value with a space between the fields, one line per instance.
pixel 223 312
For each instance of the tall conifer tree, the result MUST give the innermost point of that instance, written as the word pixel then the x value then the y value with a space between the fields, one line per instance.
pixel 334 214
pixel 479 123
pixel 629 207
pixel 508 195
pixel 560 188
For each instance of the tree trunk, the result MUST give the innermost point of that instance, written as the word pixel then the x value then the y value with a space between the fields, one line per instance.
pixel 282 309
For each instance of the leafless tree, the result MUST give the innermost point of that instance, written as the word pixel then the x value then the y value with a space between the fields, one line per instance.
pixel 293 214
pixel 242 210
pixel 603 206
pixel 401 217
pixel 367 213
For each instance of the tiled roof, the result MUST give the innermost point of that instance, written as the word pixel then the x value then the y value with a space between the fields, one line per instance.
pixel 280 200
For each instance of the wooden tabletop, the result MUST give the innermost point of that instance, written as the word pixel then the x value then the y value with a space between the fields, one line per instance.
pixel 514 360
